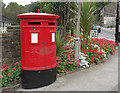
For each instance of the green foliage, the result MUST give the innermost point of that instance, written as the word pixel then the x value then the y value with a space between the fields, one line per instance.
pixel 59 43
pixel 66 10
pixel 87 18
pixel 12 10
pixel 66 61
pixel 10 74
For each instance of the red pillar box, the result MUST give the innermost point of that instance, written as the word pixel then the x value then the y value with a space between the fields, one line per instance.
pixel 38 49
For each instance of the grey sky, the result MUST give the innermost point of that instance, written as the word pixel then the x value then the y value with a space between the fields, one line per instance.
pixel 20 2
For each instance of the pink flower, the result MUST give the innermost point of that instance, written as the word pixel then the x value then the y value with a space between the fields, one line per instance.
pixel 3 65
pixel 19 67
pixel 59 61
pixel 19 61
pixel 78 60
pixel 69 52
pixel 73 59
pixel 57 58
pixel 2 69
pixel 68 56
pixel 72 54
pixel 68 59
pixel 14 68
pixel 72 47
pixel 6 67
pixel 64 64
pixel 16 63
pixel 69 62
pixel 58 65
pixel 9 74
pixel 0 76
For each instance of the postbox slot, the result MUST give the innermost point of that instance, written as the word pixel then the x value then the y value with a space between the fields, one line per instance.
pixel 51 23
pixel 34 23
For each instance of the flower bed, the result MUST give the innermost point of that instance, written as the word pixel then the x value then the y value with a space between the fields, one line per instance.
pixel 96 51
pixel 10 74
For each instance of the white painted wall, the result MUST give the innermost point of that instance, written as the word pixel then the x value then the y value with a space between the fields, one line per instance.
pixel 3 27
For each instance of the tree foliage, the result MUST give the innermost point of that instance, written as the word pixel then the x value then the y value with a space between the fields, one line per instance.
pixel 12 10
pixel 87 18
pixel 66 11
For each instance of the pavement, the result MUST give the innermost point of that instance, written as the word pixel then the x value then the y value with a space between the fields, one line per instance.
pixel 102 77
pixel 108 33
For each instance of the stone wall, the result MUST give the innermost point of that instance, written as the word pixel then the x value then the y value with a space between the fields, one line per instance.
pixel 11 50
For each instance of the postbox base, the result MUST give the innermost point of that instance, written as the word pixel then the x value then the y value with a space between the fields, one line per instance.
pixel 36 79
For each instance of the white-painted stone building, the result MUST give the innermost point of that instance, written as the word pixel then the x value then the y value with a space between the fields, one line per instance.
pixel 4 22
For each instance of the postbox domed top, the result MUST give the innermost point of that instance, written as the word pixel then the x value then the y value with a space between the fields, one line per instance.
pixel 38 15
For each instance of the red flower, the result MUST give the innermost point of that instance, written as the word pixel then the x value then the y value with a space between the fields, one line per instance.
pixel 3 65
pixel 68 54
pixel 90 47
pixel 84 51
pixel 58 65
pixel 73 59
pixel 72 47
pixel 19 67
pixel 57 58
pixel 96 47
pixel 68 47
pixel 92 58
pixel 19 62
pixel 9 74
pixel 64 54
pixel 64 39
pixel 95 56
pixel 78 60
pixel 77 64
pixel 14 68
pixel 91 51
pixel 6 67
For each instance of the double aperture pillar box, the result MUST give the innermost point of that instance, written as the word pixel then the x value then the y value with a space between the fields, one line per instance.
pixel 38 49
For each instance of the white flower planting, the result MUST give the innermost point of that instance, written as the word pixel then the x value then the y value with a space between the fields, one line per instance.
pixel 83 62
pixel 103 53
